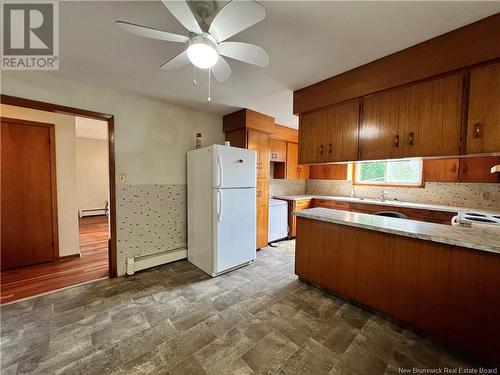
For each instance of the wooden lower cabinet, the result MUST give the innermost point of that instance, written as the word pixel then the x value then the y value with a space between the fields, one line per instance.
pixel 262 212
pixel 294 206
pixel 446 291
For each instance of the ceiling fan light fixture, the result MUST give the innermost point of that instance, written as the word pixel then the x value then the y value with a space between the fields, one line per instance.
pixel 202 52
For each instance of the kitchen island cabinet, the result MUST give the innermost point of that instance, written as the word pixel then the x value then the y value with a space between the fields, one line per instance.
pixel 438 279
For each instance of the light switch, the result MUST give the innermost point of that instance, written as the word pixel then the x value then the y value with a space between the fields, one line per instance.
pixel 122 177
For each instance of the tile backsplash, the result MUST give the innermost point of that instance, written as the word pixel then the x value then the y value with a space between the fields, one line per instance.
pixel 473 195
pixel 286 187
pixel 150 219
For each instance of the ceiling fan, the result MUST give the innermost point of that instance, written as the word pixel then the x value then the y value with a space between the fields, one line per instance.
pixel 206 43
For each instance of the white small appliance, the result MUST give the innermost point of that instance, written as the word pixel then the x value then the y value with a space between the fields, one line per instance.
pixel 474 219
pixel 278 220
pixel 221 208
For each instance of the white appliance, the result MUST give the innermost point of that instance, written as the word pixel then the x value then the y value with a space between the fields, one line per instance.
pixel 278 220
pixel 221 208
pixel 474 219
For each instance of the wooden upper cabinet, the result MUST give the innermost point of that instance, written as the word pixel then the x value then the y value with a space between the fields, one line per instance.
pixel 483 123
pixel 342 125
pixel 312 137
pixel 295 171
pixel 328 172
pixel 259 141
pixel 478 169
pixel 278 150
pixel 441 170
pixel 418 120
pixel 379 133
pixel 430 121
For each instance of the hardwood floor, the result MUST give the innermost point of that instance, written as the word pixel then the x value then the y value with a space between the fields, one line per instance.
pixel 93 264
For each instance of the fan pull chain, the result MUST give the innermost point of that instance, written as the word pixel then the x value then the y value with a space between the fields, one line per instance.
pixel 209 98
pixel 194 75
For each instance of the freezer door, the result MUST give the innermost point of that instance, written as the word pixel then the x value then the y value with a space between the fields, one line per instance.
pixel 233 167
pixel 234 227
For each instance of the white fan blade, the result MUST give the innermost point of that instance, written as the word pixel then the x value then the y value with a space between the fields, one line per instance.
pixel 221 70
pixel 149 32
pixel 177 62
pixel 182 12
pixel 236 17
pixel 245 52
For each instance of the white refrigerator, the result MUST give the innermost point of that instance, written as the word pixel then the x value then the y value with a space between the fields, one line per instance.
pixel 221 208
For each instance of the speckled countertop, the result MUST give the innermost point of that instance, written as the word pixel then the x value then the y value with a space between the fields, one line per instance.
pixel 395 203
pixel 485 239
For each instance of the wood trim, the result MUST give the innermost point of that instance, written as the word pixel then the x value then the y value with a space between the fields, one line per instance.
pixel 56 108
pixel 68 257
pixel 53 176
pixel 284 133
pixel 408 65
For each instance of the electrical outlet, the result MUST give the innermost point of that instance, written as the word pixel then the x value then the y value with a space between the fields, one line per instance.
pixel 122 177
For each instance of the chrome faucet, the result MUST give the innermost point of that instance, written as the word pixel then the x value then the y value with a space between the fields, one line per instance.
pixel 382 194
pixel 353 192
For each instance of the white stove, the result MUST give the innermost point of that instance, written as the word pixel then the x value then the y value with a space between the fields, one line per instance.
pixel 474 219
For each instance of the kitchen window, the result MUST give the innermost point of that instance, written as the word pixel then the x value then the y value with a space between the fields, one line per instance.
pixel 393 172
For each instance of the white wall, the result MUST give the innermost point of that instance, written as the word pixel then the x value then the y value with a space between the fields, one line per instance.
pixel 67 205
pixel 151 137
pixel 92 173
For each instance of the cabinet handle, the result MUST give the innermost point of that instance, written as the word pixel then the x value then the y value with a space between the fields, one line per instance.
pixel 259 193
pixel 321 149
pixel 396 140
pixel 454 169
pixel 464 168
pixel 329 148
pixel 411 139
pixel 477 130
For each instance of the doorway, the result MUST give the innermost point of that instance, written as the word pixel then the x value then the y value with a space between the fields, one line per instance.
pixel 94 255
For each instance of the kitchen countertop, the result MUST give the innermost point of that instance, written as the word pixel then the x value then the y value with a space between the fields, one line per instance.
pixel 395 203
pixel 485 239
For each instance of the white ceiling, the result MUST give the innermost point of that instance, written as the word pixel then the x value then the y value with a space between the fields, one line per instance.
pixel 306 41
pixel 89 128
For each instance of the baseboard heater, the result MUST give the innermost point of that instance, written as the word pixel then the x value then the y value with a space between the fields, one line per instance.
pixel 139 263
pixel 92 212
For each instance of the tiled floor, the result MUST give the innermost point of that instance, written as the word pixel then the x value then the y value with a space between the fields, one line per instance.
pixel 176 320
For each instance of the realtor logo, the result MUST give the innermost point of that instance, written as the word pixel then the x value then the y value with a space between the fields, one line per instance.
pixel 30 35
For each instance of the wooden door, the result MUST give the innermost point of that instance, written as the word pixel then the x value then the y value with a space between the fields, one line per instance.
pixel 28 194
pixel 278 150
pixel 441 170
pixel 262 212
pixel 259 141
pixel 342 125
pixel 478 169
pixel 312 135
pixel 483 124
pixel 380 137
pixel 431 117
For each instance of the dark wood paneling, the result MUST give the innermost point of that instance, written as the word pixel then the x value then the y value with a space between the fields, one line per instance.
pixel 435 56
pixel 478 169
pixel 249 119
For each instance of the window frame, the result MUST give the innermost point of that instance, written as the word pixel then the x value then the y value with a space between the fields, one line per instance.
pixel 355 181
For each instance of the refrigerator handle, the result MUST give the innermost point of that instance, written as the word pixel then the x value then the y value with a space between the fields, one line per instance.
pixel 219 208
pixel 219 165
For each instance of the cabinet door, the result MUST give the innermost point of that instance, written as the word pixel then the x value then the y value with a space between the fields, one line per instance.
pixel 342 124
pixel 478 169
pixel 328 172
pixel 278 150
pixel 483 125
pixel 441 170
pixel 260 142
pixel 431 116
pixel 304 172
pixel 312 134
pixel 292 159
pixel 262 212
pixel 379 134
